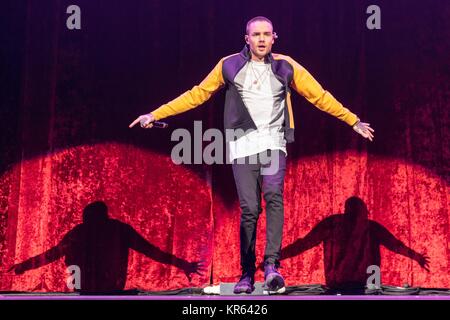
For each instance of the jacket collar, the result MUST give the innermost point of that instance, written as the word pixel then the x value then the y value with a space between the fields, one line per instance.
pixel 245 53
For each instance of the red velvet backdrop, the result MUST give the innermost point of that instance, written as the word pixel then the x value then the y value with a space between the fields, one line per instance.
pixel 69 95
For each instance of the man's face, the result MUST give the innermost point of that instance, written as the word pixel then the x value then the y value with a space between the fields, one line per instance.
pixel 260 39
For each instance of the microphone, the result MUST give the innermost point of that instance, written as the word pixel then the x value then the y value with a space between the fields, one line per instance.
pixel 159 124
pixel 144 118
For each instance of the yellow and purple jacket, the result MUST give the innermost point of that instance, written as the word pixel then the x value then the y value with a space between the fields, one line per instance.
pixel 236 116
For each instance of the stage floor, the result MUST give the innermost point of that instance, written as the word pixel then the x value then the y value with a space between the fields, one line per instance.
pixel 218 297
pixel 224 291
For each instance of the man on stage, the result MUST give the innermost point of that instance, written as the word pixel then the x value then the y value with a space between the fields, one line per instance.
pixel 258 87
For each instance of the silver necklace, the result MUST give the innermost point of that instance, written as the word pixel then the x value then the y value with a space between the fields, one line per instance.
pixel 259 77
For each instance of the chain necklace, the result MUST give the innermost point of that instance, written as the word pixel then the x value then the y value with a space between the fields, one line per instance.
pixel 259 80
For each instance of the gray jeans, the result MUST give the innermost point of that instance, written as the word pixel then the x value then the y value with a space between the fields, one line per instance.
pixel 251 179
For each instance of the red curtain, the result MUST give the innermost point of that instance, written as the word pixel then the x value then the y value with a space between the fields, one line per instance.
pixel 70 95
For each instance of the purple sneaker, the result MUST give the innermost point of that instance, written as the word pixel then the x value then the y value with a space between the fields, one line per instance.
pixel 273 280
pixel 245 284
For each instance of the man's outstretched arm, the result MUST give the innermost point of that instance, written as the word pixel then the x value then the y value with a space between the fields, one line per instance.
pixel 318 234
pixel 140 244
pixel 305 84
pixel 40 260
pixel 388 240
pixel 188 100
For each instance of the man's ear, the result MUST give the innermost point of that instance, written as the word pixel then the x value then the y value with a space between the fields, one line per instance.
pixel 246 39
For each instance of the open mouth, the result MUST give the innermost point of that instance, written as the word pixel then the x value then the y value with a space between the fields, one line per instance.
pixel 261 47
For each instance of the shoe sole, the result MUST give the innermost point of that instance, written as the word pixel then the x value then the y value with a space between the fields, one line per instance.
pixel 248 291
pixel 274 285
pixel 279 291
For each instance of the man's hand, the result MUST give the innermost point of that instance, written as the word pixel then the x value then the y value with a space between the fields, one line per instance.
pixel 189 268
pixel 145 120
pixel 364 129
pixel 423 260
pixel 17 268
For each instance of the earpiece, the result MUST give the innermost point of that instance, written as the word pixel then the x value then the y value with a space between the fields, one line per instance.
pixel 275 36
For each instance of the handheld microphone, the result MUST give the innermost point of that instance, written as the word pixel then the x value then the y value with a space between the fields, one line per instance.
pixel 159 124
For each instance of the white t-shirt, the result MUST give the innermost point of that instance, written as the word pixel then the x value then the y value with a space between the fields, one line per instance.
pixel 264 97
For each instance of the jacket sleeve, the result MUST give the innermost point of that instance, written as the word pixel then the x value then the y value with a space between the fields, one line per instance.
pixel 305 84
pixel 194 97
